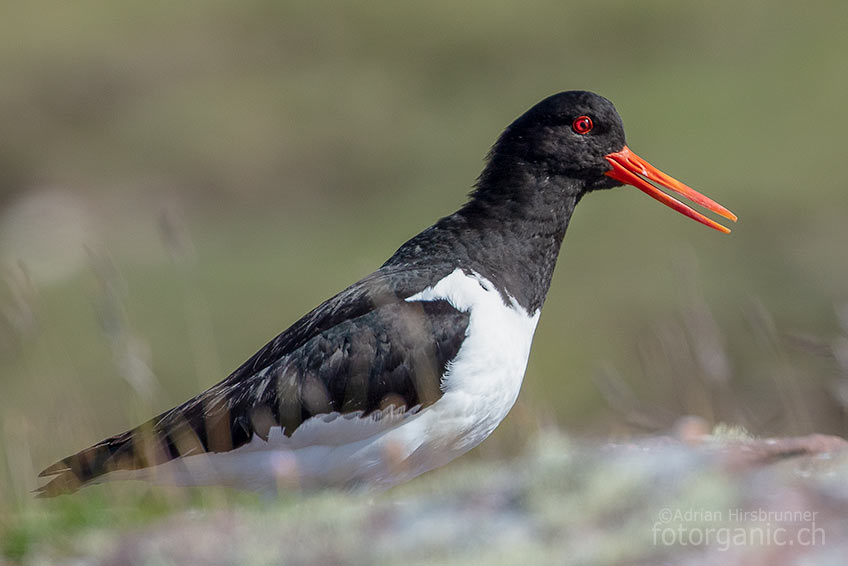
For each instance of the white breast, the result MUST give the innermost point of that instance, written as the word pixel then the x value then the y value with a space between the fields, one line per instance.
pixel 484 379
pixel 480 387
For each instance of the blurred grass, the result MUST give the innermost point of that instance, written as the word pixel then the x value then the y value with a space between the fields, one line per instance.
pixel 216 169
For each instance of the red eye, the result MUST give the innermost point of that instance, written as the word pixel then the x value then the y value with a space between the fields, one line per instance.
pixel 582 125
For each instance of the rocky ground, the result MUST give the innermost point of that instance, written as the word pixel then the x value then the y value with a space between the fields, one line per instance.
pixel 686 499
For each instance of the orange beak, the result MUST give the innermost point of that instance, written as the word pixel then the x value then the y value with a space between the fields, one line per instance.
pixel 631 169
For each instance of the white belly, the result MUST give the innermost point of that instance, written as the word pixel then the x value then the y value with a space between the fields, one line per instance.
pixel 480 387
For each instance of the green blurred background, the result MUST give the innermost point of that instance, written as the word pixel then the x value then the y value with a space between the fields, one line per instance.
pixel 181 181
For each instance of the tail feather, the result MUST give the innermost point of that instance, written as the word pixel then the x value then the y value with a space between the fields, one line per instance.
pixel 203 424
pixel 131 450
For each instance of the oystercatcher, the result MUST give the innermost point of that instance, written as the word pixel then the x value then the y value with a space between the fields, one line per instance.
pixel 418 362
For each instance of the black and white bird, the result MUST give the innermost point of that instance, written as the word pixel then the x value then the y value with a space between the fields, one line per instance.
pixel 418 362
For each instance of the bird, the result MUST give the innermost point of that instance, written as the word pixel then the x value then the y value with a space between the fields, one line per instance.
pixel 415 364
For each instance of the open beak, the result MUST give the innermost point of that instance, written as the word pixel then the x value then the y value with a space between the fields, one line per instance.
pixel 631 169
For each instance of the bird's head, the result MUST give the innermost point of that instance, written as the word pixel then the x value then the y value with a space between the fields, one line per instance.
pixel 579 136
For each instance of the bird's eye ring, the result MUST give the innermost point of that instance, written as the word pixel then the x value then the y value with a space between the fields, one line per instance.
pixel 582 125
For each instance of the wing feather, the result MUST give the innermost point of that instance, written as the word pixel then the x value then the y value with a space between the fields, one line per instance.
pixel 364 352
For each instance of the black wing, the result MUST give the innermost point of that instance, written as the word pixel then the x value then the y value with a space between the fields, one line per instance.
pixel 362 351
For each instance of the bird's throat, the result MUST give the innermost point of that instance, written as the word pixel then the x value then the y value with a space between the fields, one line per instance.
pixel 519 232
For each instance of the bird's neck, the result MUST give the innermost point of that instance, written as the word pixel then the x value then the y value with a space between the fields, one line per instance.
pixel 509 232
